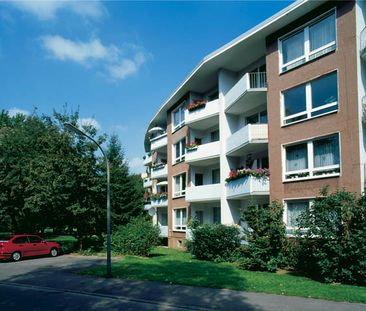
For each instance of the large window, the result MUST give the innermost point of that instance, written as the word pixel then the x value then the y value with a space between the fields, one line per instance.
pixel 178 117
pixel 314 40
pixel 293 211
pixel 180 219
pixel 180 150
pixel 179 185
pixel 315 98
pixel 315 158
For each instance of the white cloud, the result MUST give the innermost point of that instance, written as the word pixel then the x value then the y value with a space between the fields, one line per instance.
pixel 88 122
pixel 48 9
pixel 14 111
pixel 93 52
pixel 136 165
pixel 80 52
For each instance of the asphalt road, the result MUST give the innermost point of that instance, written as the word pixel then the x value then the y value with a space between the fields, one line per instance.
pixel 53 284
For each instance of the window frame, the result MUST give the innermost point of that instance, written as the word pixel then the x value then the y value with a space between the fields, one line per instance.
pixel 309 110
pixel 290 230
pixel 181 192
pixel 181 227
pixel 181 144
pixel 181 110
pixel 308 173
pixel 307 56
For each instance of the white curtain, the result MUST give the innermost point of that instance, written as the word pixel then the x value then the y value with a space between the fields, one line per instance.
pixel 326 152
pixel 293 47
pixel 294 210
pixel 322 32
pixel 296 158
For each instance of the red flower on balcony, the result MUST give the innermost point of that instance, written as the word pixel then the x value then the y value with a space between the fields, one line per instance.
pixel 244 172
pixel 197 104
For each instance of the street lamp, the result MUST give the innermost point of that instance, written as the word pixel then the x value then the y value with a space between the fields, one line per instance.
pixel 79 132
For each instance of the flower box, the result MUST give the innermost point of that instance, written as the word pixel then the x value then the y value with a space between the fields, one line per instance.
pixel 244 172
pixel 197 104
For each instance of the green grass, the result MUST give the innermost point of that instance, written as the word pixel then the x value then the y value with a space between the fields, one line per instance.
pixel 172 266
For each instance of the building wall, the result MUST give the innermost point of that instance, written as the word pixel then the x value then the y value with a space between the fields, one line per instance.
pixel 345 121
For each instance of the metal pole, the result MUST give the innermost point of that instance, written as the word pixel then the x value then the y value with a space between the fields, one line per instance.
pixel 109 261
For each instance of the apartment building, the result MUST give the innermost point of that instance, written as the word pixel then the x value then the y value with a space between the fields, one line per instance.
pixel 276 114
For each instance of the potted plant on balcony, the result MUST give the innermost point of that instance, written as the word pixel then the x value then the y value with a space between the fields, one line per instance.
pixel 197 104
pixel 244 172
pixel 192 146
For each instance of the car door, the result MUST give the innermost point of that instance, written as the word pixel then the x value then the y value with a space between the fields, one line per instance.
pixel 21 244
pixel 37 245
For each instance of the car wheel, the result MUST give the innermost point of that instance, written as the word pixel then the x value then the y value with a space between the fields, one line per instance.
pixel 16 256
pixel 54 252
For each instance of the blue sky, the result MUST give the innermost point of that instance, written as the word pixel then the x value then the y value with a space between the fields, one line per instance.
pixel 115 61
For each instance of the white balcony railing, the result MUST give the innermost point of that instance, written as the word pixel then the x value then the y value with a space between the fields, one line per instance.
pixel 159 172
pixel 211 109
pixel 159 203
pixel 204 193
pixel 249 134
pixel 147 160
pixel 159 142
pixel 251 86
pixel 203 152
pixel 163 231
pixel 147 182
pixel 247 186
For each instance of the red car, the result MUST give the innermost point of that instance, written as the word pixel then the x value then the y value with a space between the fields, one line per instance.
pixel 26 245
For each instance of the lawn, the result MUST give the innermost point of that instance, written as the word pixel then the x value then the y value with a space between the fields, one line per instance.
pixel 176 267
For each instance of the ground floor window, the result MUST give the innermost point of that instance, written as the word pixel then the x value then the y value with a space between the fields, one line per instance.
pixel 293 210
pixel 180 219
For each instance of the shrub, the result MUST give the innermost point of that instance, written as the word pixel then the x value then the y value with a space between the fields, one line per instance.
pixel 136 238
pixel 67 242
pixel 265 235
pixel 332 237
pixel 214 242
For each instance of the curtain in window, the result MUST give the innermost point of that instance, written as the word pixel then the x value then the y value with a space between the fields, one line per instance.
pixel 322 32
pixel 294 210
pixel 181 114
pixel 177 188
pixel 177 218
pixel 296 158
pixel 177 150
pixel 293 47
pixel 183 146
pixel 184 217
pixel 176 118
pixel 326 152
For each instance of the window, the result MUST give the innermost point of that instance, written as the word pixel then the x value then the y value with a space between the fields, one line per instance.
pixel 315 98
pixel 180 219
pixel 20 240
pixel 215 136
pixel 292 213
pixel 198 179
pixel 315 158
pixel 258 117
pixel 179 185
pixel 216 215
pixel 315 40
pixel 199 216
pixel 34 239
pixel 212 96
pixel 180 150
pixel 216 176
pixel 178 117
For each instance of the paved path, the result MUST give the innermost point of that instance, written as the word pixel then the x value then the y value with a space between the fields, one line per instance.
pixel 52 284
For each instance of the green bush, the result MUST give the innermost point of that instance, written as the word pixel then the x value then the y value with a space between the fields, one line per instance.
pixel 136 238
pixel 67 242
pixel 214 242
pixel 332 237
pixel 265 236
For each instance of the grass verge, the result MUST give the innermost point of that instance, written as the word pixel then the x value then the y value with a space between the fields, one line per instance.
pixel 176 267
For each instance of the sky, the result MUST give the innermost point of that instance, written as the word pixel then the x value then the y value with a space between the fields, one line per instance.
pixel 116 62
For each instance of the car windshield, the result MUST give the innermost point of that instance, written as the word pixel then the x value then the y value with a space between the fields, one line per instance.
pixel 5 238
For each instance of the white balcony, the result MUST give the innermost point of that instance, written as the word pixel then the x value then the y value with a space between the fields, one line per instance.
pixel 159 142
pixel 249 92
pixel 147 183
pixel 250 138
pixel 159 203
pixel 159 172
pixel 204 155
pixel 147 160
pixel 247 186
pixel 203 118
pixel 163 231
pixel 205 193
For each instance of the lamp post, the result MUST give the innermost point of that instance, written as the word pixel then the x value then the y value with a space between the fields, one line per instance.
pixel 79 132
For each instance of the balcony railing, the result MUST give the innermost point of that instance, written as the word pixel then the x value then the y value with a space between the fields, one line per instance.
pixel 159 172
pixel 147 182
pixel 159 142
pixel 204 193
pixel 163 231
pixel 210 110
pixel 247 93
pixel 147 159
pixel 247 186
pixel 159 202
pixel 249 134
pixel 203 152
